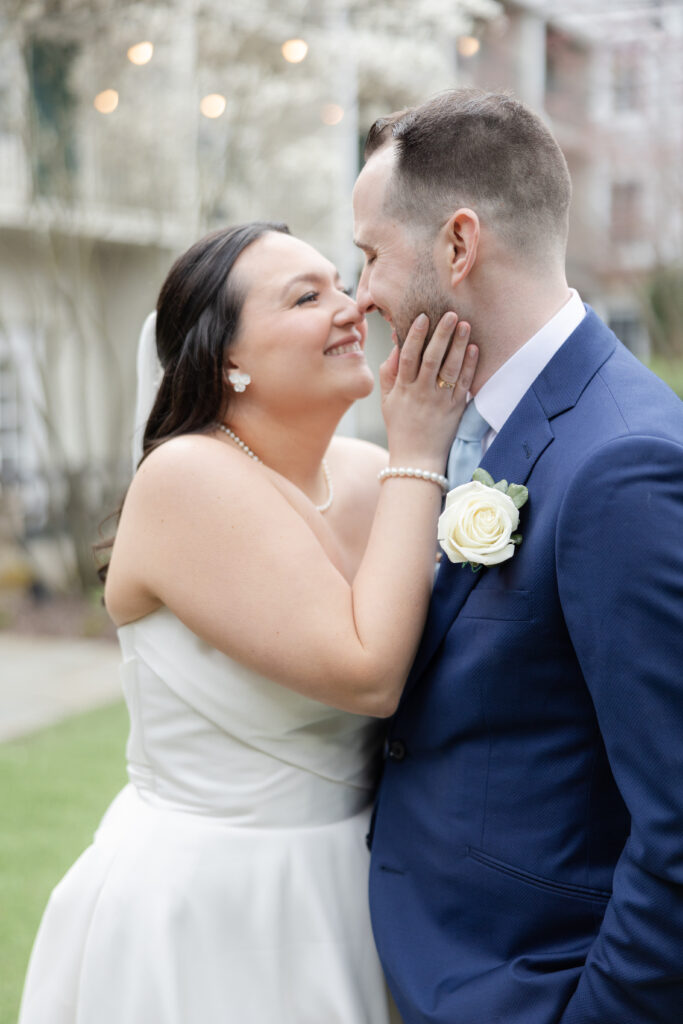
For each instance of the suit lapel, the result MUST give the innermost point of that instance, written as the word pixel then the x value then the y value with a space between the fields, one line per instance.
pixel 513 455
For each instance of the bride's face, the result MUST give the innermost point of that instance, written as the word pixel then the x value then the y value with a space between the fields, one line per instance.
pixel 301 336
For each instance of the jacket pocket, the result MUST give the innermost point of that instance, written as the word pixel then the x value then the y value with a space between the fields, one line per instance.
pixel 486 603
pixel 577 892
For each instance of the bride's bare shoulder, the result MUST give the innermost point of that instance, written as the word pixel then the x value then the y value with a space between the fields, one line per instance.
pixel 354 465
pixel 357 455
pixel 185 447
pixel 188 465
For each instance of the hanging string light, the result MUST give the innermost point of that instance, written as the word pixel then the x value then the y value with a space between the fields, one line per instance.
pixel 213 105
pixel 106 101
pixel 468 46
pixel 294 50
pixel 331 113
pixel 141 53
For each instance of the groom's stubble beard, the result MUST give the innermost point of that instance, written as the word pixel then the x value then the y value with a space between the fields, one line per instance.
pixel 424 295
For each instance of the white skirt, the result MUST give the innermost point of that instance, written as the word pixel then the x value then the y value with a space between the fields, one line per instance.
pixel 172 917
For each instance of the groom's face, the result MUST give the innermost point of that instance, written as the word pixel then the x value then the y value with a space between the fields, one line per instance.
pixel 399 278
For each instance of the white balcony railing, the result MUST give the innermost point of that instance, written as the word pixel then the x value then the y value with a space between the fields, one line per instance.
pixel 96 200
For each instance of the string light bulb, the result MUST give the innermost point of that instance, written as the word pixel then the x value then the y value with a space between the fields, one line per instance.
pixel 141 53
pixel 332 113
pixel 294 50
pixel 468 46
pixel 106 101
pixel 213 105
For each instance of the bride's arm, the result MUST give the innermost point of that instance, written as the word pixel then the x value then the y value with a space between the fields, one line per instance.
pixel 215 541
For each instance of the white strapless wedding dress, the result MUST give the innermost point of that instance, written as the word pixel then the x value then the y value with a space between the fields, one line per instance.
pixel 227 883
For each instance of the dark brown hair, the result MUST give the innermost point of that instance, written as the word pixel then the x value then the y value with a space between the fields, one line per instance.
pixel 466 147
pixel 198 314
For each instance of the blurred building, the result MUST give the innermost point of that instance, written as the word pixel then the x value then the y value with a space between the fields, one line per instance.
pixel 608 78
pixel 85 236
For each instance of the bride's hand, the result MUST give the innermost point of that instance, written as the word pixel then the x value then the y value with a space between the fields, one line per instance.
pixel 420 411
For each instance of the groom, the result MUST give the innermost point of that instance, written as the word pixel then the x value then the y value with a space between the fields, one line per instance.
pixel 527 857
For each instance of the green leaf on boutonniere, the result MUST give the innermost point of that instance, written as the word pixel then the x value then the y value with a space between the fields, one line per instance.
pixel 482 477
pixel 516 539
pixel 502 485
pixel 518 493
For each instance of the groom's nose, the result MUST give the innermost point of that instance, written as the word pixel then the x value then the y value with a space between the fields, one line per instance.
pixel 363 296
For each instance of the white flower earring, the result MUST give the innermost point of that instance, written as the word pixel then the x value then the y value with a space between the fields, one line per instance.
pixel 238 379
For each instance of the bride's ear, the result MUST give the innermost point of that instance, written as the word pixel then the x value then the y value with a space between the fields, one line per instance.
pixel 233 377
pixel 460 243
pixel 228 367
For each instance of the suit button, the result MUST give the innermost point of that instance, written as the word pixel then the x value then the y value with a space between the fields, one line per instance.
pixel 397 750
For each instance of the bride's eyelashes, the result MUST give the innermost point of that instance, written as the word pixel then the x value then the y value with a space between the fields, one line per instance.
pixel 312 296
pixel 308 297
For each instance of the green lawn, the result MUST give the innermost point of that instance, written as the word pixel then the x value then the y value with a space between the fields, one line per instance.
pixel 54 787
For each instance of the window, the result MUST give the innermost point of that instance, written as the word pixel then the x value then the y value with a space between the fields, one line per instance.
pixel 10 434
pixel 625 82
pixel 629 329
pixel 49 65
pixel 625 220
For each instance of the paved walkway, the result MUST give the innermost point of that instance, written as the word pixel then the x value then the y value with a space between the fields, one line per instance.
pixel 46 679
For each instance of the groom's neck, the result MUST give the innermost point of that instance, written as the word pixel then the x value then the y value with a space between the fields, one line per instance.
pixel 506 316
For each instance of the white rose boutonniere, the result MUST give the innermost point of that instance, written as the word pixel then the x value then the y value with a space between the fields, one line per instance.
pixel 478 523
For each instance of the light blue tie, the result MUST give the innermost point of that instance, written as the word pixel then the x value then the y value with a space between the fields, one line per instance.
pixel 466 453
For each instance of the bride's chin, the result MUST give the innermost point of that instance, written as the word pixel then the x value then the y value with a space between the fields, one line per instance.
pixel 358 391
pixel 368 387
pixel 344 389
pixel 362 386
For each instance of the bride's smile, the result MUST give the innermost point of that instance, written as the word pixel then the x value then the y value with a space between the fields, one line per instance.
pixel 352 346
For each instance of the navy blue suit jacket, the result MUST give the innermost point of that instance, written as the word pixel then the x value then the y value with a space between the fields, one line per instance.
pixel 527 858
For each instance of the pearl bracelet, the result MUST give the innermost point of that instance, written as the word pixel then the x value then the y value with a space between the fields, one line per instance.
pixel 417 474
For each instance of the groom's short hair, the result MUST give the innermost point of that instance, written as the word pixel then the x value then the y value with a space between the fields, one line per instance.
pixel 466 147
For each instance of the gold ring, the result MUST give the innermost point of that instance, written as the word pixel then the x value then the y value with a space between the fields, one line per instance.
pixel 445 383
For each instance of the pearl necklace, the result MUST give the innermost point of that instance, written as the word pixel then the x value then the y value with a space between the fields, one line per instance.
pixel 252 455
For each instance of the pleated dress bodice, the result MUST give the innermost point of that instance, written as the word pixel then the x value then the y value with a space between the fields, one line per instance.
pixel 211 736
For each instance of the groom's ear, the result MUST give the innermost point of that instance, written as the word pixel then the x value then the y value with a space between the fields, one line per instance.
pixel 460 241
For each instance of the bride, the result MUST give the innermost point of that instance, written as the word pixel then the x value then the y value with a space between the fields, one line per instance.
pixel 269 592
